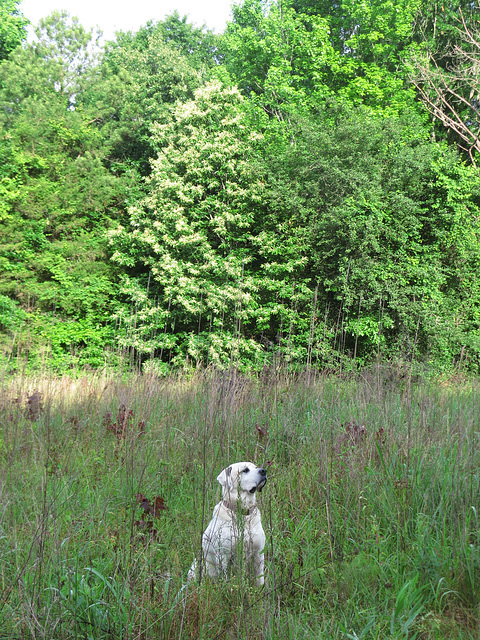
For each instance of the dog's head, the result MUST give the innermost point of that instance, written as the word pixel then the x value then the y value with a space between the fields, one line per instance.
pixel 240 481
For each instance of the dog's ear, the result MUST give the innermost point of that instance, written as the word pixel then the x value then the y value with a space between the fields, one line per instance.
pixel 224 478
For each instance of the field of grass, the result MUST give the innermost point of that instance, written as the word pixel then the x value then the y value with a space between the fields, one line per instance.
pixel 370 511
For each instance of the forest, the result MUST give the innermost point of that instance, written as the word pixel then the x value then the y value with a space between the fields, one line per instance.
pixel 302 189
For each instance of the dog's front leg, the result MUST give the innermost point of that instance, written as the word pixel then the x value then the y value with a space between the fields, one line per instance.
pixel 217 553
pixel 259 568
pixel 256 562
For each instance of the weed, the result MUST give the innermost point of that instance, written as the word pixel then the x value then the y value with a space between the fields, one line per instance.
pixel 124 424
pixel 151 510
pixel 34 406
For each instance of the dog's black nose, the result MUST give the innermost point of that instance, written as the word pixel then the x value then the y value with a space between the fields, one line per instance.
pixel 262 472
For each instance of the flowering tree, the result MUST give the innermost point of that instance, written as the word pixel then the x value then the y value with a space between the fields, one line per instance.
pixel 200 264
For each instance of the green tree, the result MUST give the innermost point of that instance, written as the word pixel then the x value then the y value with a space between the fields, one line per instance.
pixel 13 25
pixel 140 80
pixel 58 195
pixel 277 54
pixel 354 50
pixel 373 39
pixel 199 44
pixel 390 234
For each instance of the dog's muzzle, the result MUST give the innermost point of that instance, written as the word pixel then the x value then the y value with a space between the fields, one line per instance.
pixel 262 482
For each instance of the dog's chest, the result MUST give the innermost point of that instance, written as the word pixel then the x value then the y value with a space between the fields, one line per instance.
pixel 228 530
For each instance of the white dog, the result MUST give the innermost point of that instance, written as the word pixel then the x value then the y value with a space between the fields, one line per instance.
pixel 235 522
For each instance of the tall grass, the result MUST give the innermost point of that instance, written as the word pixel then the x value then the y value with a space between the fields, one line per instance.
pixel 371 509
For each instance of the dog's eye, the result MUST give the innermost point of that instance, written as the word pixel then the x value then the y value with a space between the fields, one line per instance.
pixel 246 470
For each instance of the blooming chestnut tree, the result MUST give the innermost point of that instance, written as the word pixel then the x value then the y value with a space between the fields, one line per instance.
pixel 192 245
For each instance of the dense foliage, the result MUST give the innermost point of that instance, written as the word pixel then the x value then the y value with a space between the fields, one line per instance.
pixel 295 189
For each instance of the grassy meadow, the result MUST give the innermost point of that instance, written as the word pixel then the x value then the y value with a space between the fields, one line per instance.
pixel 370 511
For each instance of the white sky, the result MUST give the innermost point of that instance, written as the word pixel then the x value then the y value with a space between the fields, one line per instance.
pixel 129 15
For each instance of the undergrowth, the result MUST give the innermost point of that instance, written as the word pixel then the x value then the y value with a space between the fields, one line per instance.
pixel 370 511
